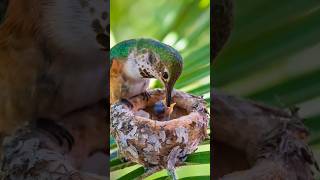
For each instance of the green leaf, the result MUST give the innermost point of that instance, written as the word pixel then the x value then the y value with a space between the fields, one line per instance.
pixel 248 56
pixel 127 173
pixel 196 178
pixel 201 158
pixel 117 164
pixel 192 76
pixel 185 172
pixel 201 90
pixel 292 91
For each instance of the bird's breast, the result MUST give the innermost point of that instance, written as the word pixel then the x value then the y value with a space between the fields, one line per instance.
pixel 132 88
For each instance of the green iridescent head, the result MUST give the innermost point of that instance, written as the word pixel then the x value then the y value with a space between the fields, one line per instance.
pixel 153 59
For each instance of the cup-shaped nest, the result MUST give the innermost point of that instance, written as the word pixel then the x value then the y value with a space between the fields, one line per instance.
pixel 148 138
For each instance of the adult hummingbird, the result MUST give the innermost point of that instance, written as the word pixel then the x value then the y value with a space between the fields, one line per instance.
pixel 135 61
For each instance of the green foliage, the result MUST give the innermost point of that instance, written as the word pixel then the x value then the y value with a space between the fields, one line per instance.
pixel 273 57
pixel 185 26
pixel 181 24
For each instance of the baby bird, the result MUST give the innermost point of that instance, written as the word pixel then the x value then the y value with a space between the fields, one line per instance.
pixel 162 111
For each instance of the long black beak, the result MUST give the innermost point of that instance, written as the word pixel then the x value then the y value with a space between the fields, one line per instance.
pixel 168 94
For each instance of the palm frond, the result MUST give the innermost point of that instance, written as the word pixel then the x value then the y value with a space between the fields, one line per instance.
pixel 185 26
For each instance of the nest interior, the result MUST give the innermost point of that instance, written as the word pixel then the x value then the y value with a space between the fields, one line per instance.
pixel 176 113
pixel 150 140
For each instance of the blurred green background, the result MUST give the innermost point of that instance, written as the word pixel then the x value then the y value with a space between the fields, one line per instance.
pixel 185 25
pixel 273 57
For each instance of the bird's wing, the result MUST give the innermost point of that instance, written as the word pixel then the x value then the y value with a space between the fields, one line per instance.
pixel 116 80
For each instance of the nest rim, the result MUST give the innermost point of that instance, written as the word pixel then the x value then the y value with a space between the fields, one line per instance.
pixel 192 127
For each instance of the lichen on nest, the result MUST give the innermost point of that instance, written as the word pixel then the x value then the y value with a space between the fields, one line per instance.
pixel 155 143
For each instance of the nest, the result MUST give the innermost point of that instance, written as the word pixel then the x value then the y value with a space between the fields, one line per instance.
pixel 255 141
pixel 155 143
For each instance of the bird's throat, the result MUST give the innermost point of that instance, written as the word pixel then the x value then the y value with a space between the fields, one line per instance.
pixel 131 70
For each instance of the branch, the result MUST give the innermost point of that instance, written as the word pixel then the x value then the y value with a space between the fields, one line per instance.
pixel 273 140
pixel 31 153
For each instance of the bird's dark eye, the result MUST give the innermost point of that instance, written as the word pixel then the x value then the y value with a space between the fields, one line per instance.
pixel 165 75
